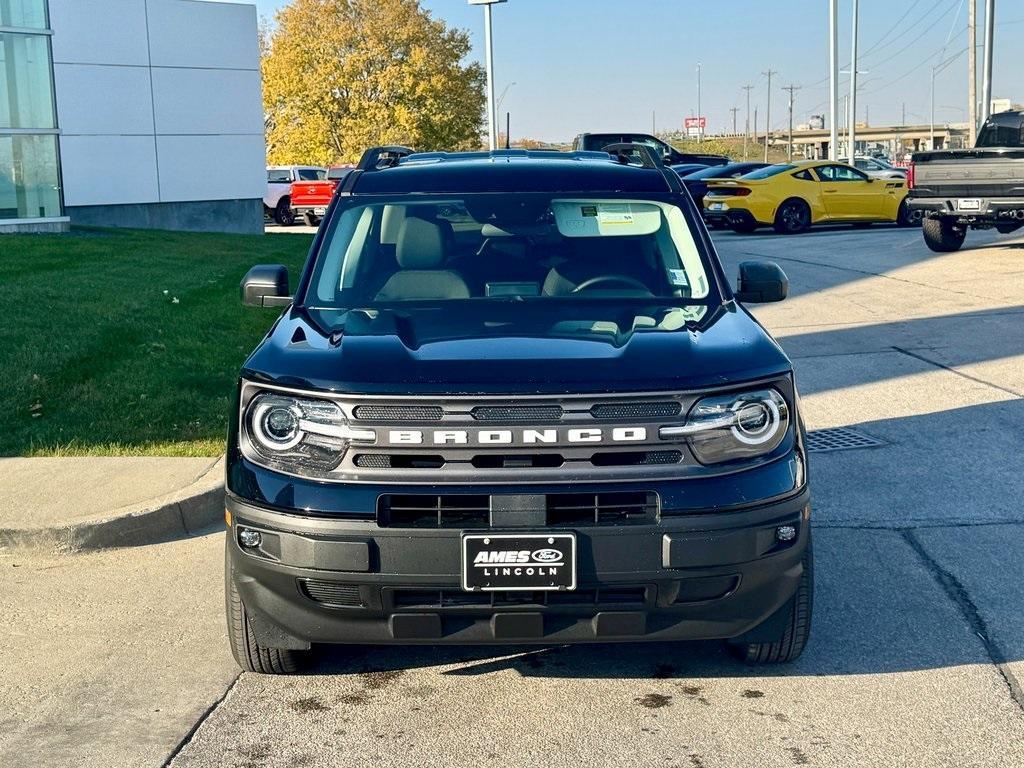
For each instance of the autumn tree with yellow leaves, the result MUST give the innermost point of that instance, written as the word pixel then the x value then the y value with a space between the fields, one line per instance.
pixel 343 75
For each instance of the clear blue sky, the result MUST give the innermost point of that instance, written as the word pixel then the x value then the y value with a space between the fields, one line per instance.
pixel 607 64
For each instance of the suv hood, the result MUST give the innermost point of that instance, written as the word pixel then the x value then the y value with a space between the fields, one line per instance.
pixel 421 352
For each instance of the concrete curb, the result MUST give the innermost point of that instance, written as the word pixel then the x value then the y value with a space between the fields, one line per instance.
pixel 182 513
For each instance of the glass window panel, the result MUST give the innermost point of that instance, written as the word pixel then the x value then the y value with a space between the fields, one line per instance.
pixel 30 14
pixel 26 95
pixel 29 181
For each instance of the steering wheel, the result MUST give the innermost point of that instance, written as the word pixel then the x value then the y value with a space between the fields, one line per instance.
pixel 620 279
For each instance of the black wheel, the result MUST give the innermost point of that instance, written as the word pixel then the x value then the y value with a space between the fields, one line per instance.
pixel 283 214
pixel 792 217
pixel 250 655
pixel 941 235
pixel 742 226
pixel 794 637
pixel 310 219
pixel 905 217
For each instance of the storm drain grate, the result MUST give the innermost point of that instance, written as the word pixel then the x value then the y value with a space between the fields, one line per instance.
pixel 839 439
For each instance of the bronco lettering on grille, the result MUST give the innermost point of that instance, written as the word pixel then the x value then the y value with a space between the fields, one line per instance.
pixel 516 436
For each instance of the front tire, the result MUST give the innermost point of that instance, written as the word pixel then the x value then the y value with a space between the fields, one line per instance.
pixel 797 631
pixel 250 655
pixel 792 217
pixel 942 236
pixel 283 213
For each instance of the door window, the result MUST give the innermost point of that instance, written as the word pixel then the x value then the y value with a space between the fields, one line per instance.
pixel 839 173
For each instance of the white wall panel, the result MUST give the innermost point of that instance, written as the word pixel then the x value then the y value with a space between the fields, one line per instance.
pixel 195 33
pixel 214 101
pixel 99 31
pixel 108 170
pixel 211 167
pixel 95 99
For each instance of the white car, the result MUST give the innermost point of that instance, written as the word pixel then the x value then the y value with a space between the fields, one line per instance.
pixel 277 203
pixel 876 168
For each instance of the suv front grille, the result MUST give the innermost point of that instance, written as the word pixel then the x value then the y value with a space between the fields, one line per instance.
pixel 398 412
pixel 517 413
pixel 561 509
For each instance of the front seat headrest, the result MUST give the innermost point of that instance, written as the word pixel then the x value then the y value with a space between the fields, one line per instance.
pixel 420 245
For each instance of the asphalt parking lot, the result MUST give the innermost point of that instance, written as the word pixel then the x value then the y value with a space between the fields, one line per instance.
pixel 917 652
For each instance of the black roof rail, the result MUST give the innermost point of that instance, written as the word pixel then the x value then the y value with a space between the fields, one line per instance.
pixel 376 158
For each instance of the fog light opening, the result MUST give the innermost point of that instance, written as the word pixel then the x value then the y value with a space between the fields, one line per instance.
pixel 249 538
pixel 785 532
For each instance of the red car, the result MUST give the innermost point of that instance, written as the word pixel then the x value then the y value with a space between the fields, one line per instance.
pixel 311 198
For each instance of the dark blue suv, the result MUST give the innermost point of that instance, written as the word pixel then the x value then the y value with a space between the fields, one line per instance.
pixel 513 399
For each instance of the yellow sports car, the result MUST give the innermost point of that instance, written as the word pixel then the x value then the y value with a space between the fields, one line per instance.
pixel 793 196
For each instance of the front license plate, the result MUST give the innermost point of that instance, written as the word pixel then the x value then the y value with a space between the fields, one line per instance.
pixel 716 207
pixel 320 211
pixel 969 204
pixel 517 561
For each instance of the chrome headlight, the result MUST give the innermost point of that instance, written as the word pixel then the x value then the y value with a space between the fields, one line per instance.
pixel 297 435
pixel 729 427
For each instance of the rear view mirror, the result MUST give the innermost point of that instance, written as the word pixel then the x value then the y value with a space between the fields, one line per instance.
pixel 761 282
pixel 266 285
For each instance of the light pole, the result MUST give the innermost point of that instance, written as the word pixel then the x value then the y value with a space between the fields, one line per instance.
pixel 492 110
pixel 746 130
pixel 833 80
pixel 986 65
pixel 853 86
pixel 700 125
pixel 768 112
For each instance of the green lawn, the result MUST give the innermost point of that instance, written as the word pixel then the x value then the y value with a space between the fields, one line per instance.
pixel 127 342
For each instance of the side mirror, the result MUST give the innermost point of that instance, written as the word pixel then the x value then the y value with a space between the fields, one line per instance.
pixel 266 285
pixel 761 282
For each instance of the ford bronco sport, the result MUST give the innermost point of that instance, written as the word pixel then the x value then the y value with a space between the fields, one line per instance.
pixel 513 399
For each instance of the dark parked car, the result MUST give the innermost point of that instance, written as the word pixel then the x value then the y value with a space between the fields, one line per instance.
pixel 696 181
pixel 669 155
pixel 514 399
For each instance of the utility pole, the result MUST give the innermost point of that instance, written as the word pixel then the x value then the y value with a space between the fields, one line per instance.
pixel 853 85
pixel 903 114
pixel 833 80
pixel 734 110
pixel 700 122
pixel 972 74
pixel 755 126
pixel 791 89
pixel 986 65
pixel 768 111
pixel 746 132
pixel 653 122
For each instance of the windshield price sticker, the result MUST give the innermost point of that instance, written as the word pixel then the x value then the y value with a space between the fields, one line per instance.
pixel 614 214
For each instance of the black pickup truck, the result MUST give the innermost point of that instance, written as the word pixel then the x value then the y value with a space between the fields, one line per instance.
pixel 672 157
pixel 977 188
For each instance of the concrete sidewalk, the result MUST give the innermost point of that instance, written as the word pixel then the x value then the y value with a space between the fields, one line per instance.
pixel 70 504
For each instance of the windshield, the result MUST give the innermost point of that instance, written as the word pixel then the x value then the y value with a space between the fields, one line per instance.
pixel 507 247
pixel 768 172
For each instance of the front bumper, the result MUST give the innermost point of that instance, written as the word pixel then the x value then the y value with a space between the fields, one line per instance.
pixel 689 576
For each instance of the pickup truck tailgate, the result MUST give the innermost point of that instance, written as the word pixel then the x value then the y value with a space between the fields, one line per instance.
pixel 310 194
pixel 969 174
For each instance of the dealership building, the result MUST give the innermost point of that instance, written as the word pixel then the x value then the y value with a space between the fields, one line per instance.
pixel 130 113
